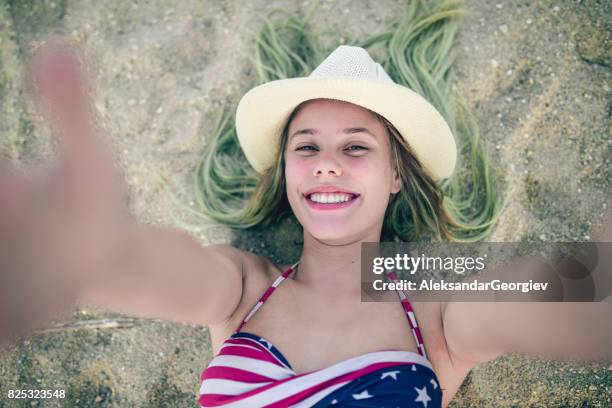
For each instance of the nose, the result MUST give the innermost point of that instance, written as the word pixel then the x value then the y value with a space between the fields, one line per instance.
pixel 327 167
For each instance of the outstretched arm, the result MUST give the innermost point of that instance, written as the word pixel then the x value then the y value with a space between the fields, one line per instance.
pixel 167 274
pixel 481 331
pixel 67 234
pixel 477 332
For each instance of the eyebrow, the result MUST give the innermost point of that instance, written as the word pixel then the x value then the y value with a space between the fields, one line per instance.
pixel 311 131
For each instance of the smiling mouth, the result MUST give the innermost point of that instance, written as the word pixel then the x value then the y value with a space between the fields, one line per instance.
pixel 335 202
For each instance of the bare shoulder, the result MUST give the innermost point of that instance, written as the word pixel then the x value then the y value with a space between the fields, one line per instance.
pixel 258 273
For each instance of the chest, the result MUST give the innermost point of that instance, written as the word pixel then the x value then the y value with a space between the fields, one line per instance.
pixel 315 333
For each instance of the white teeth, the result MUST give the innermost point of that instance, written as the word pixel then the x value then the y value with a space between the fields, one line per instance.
pixel 329 198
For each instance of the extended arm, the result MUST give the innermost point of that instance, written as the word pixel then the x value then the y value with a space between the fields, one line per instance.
pixel 67 234
pixel 166 274
pixel 480 331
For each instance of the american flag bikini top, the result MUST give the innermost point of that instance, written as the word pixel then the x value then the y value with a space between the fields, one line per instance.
pixel 251 372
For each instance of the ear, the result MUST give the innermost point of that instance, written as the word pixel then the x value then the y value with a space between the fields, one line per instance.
pixel 396 184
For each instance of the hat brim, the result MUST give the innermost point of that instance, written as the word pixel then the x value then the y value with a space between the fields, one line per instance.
pixel 264 110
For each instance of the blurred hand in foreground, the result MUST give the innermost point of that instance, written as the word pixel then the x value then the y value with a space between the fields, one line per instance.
pixel 60 228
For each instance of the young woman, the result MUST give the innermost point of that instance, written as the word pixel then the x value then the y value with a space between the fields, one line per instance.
pixel 340 148
pixel 313 343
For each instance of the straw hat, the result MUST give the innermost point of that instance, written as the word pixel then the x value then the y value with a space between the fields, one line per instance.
pixel 347 74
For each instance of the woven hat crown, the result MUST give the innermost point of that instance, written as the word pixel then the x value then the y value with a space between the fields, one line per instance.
pixel 351 62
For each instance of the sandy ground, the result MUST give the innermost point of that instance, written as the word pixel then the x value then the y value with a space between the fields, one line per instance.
pixel 537 75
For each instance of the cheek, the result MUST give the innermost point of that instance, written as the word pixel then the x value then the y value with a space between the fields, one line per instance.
pixel 362 166
pixel 295 170
pixel 296 165
pixel 378 176
pixel 296 173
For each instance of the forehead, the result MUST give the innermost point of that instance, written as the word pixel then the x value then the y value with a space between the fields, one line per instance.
pixel 330 114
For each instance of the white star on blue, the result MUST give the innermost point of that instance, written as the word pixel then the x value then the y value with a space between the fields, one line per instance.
pixel 392 374
pixel 362 395
pixel 422 397
pixel 388 387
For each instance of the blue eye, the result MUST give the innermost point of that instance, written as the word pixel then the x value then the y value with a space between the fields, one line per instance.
pixel 358 147
pixel 303 148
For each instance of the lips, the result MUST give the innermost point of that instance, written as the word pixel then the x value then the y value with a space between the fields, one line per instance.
pixel 329 190
pixel 332 206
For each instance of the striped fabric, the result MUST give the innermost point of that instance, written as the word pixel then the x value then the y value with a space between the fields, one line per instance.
pixel 410 315
pixel 249 371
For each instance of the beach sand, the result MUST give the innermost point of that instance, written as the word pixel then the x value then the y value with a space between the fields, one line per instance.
pixel 536 74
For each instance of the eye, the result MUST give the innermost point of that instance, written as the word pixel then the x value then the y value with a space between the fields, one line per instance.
pixel 310 148
pixel 306 148
pixel 356 148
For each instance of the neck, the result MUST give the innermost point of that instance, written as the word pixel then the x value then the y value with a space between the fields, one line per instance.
pixel 332 270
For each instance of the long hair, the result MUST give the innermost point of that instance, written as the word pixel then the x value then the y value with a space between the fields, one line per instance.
pixel 417 52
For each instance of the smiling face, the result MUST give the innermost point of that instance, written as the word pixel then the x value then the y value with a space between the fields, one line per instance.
pixel 339 151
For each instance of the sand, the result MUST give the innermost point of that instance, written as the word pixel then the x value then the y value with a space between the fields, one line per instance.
pixel 536 74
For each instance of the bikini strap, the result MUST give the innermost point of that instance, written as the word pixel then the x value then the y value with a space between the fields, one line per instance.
pixel 266 295
pixel 416 332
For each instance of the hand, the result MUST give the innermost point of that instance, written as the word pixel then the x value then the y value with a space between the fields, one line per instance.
pixel 84 193
pixel 61 228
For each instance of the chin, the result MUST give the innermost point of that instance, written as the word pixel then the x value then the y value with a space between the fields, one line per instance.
pixel 334 241
pixel 331 235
